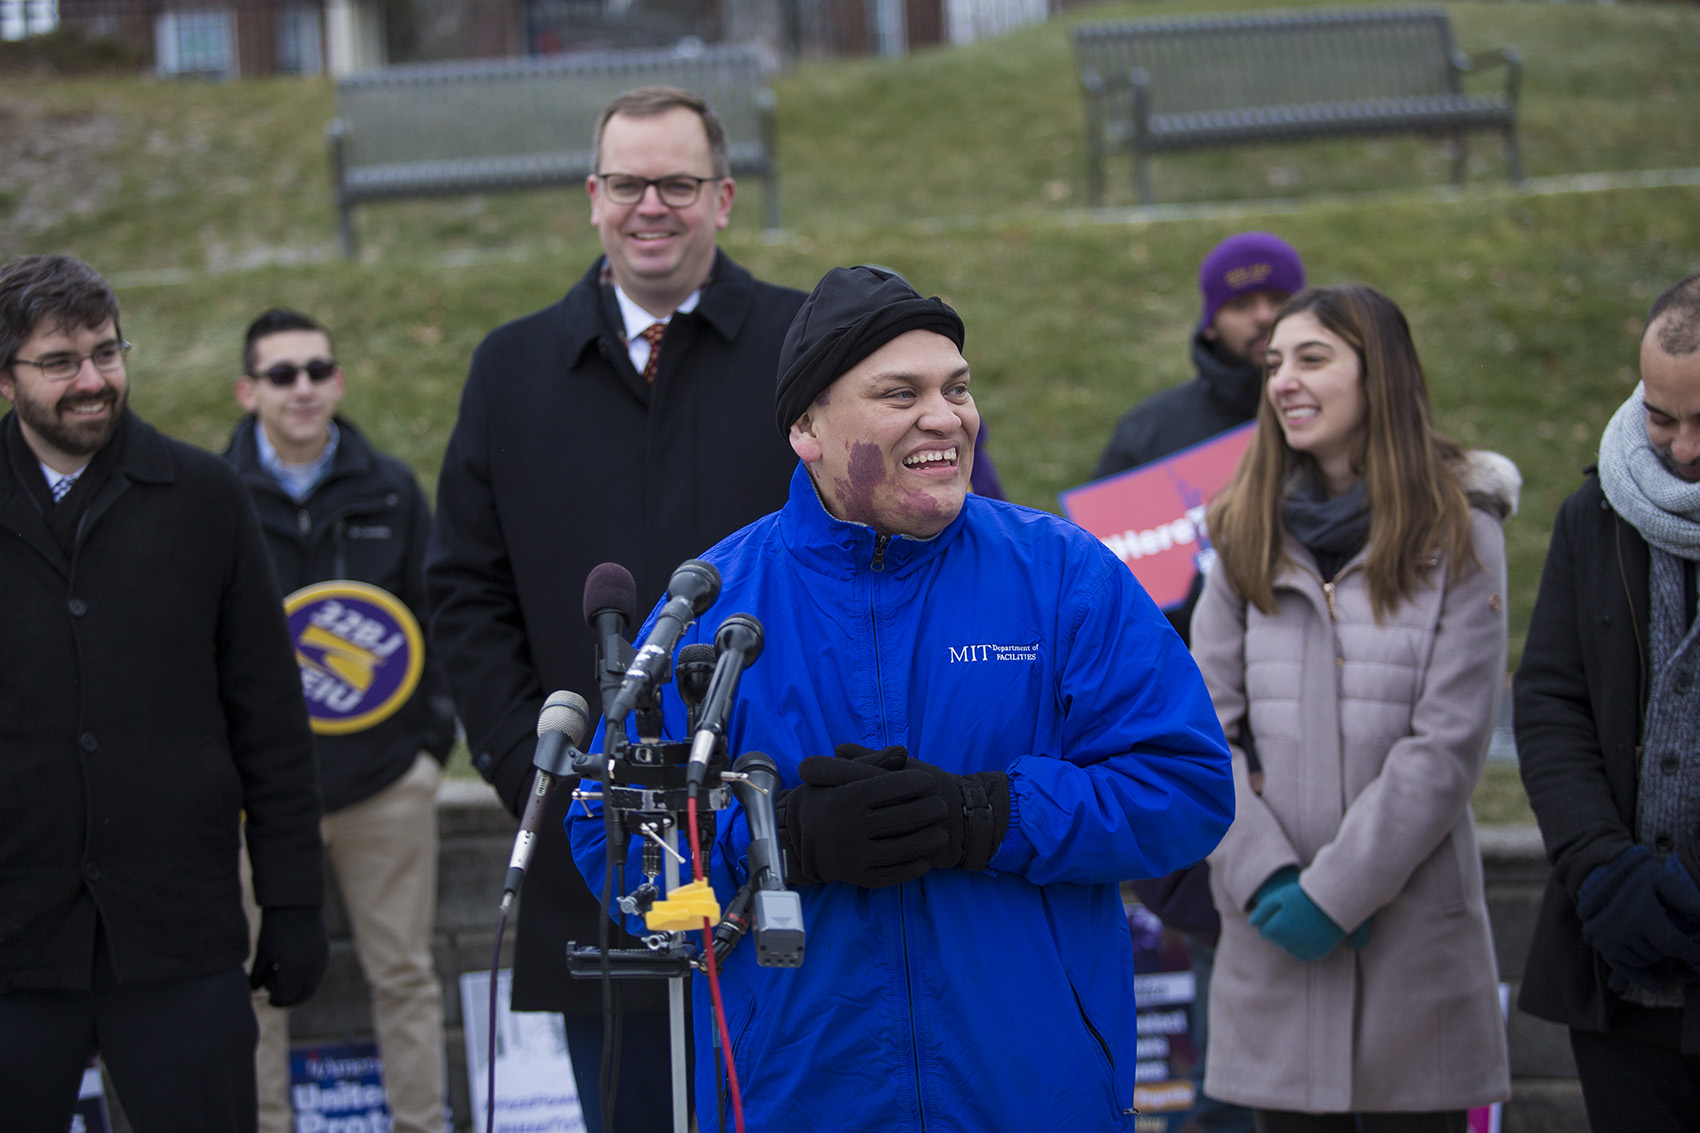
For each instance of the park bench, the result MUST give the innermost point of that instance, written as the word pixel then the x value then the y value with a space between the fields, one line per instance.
pixel 1160 86
pixel 436 129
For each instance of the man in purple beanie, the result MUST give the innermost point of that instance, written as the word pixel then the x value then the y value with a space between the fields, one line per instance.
pixel 1244 280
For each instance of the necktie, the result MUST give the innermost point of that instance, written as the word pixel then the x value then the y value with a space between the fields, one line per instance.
pixel 64 486
pixel 652 333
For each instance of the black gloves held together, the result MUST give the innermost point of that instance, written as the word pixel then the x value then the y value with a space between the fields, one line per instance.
pixel 860 821
pixel 876 818
pixel 292 953
pixel 976 813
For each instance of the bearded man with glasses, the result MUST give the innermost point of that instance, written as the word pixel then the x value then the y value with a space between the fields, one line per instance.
pixel 148 699
pixel 335 508
pixel 628 423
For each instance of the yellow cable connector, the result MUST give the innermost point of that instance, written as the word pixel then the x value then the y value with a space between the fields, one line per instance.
pixel 684 908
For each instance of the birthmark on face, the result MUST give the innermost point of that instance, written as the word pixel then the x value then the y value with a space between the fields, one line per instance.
pixel 866 472
pixel 825 398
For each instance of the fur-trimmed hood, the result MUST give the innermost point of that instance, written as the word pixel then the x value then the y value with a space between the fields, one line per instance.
pixel 1491 482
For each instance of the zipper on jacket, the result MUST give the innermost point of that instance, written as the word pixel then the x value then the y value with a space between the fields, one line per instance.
pixel 909 990
pixel 880 542
pixel 339 546
pixel 1328 595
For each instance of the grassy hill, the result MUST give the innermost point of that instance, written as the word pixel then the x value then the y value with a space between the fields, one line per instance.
pixel 962 168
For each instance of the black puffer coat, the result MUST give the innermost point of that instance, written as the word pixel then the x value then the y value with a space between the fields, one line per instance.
pixel 365 522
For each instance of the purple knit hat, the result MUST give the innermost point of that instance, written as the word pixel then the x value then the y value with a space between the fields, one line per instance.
pixel 1247 261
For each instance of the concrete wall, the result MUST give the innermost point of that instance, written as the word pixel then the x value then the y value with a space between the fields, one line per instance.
pixel 477 835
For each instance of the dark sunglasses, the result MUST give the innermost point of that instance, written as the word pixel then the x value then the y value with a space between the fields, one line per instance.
pixel 283 374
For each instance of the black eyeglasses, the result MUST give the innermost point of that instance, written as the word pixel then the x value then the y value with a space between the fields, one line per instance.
pixel 283 374
pixel 676 191
pixel 108 359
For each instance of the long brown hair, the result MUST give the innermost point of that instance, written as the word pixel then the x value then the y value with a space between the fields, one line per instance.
pixel 1417 504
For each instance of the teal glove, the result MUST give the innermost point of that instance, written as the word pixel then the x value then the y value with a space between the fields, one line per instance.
pixel 1284 915
pixel 1356 939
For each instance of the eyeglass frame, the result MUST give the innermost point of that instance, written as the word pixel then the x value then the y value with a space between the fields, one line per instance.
pixel 271 373
pixel 659 192
pixel 123 348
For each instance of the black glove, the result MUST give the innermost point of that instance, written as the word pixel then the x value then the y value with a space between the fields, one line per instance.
pixel 976 814
pixel 860 821
pixel 1640 916
pixel 292 953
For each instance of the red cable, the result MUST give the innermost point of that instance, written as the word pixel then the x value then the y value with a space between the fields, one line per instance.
pixel 714 979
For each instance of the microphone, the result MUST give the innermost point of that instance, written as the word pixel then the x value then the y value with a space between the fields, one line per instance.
pixel 778 911
pixel 610 604
pixel 561 727
pixel 692 589
pixel 739 640
pixel 692 672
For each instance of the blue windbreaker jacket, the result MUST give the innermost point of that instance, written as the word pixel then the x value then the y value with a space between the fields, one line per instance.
pixel 1000 1000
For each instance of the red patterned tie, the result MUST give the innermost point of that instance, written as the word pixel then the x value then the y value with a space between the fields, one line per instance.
pixel 652 333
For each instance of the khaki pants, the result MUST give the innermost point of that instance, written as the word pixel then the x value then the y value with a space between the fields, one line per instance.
pixel 384 853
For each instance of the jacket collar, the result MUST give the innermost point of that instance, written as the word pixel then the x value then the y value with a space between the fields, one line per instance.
pixel 725 305
pixel 839 548
pixel 353 453
pixel 1233 387
pixel 144 459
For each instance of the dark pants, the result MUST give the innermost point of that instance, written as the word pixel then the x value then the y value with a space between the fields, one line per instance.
pixel 644 1102
pixel 1282 1121
pixel 1635 1078
pixel 180 1052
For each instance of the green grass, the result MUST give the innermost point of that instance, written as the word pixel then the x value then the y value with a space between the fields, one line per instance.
pixel 1499 798
pixel 963 169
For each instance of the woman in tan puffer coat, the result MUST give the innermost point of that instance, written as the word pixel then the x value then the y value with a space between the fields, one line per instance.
pixel 1353 637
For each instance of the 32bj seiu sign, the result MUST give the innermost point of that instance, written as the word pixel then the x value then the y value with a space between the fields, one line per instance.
pixel 1152 516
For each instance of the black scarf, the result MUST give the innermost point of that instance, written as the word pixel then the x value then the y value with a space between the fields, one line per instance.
pixel 1331 528
pixel 62 518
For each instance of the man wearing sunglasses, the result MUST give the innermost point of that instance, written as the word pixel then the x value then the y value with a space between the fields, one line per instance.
pixel 335 508
pixel 627 423
pixel 148 700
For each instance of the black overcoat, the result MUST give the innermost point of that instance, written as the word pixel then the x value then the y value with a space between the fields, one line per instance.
pixel 1579 699
pixel 148 697
pixel 562 459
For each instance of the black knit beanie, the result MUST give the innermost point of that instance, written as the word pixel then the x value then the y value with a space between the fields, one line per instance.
pixel 851 313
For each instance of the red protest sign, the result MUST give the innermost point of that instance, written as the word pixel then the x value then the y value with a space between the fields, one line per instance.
pixel 1152 516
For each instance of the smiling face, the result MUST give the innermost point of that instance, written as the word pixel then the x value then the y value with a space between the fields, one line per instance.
pixel 1672 397
pixel 66 422
pixel 296 417
pixel 659 254
pixel 891 442
pixel 1315 384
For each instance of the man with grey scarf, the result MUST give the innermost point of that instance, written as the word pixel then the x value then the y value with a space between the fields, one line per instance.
pixel 1608 735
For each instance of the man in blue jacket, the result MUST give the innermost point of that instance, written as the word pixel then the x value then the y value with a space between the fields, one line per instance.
pixel 1016 729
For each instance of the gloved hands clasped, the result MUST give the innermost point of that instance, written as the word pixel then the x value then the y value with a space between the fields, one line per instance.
pixel 1643 917
pixel 291 954
pixel 1284 915
pixel 876 818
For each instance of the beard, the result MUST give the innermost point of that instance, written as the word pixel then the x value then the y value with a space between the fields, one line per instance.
pixel 1688 472
pixel 74 437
